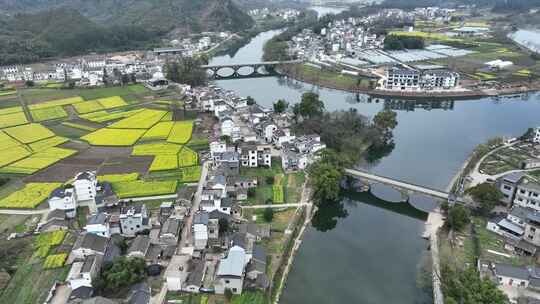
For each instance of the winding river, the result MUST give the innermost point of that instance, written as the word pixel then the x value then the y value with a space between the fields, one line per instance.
pixel 371 251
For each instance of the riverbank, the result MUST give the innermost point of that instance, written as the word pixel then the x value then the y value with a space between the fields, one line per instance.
pixel 364 85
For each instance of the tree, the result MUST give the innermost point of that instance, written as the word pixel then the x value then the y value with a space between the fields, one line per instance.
pixel 251 192
pixel 223 225
pixel 466 286
pixel 280 106
pixel 310 106
pixel 386 122
pixel 187 70
pixel 487 195
pixel 124 78
pixel 268 215
pixel 458 217
pixel 29 83
pixel 325 176
pixel 250 101
pixel 121 272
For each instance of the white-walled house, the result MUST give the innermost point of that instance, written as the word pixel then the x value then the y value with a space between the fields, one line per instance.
pixel 230 273
pixel 63 198
pixel 85 184
pixel 200 236
pixel 98 224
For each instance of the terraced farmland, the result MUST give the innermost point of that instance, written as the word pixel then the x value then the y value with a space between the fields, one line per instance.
pixel 187 158
pixel 29 133
pixel 164 162
pixel 143 120
pixel 12 119
pixel 50 113
pixel 160 131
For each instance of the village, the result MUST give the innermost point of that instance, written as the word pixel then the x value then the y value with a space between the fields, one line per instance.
pixel 223 233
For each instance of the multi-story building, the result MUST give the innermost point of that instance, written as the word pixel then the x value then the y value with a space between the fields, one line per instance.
pixel 411 80
pixel 528 193
pixel 437 80
pixel 255 156
pixel 536 135
pixel 402 79
pixel 134 219
pixel 63 198
pixel 231 271
pixel 98 224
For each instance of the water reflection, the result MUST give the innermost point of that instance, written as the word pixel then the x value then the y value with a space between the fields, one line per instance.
pixel 423 202
pixel 387 193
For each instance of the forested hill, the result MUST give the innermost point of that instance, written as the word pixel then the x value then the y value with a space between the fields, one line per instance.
pixel 31 30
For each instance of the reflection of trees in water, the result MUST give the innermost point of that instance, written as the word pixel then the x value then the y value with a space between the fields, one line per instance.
pixel 290 83
pixel 327 215
pixel 378 151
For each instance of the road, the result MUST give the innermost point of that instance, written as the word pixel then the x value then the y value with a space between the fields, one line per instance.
pixel 398 183
pixel 24 212
pixel 186 232
pixel 273 206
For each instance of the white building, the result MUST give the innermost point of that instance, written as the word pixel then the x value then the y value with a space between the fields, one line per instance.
pixel 85 187
pixel 98 224
pixel 411 80
pixel 230 273
pixel 536 135
pixel 255 156
pixel 63 198
pixel 200 236
pixel 134 219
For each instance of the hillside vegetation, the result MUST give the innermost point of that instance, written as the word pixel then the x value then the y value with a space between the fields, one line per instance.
pixel 35 29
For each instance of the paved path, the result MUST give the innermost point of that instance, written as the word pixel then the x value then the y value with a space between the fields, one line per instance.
pixel 273 206
pixel 397 183
pixel 186 233
pixel 24 212
pixel 434 222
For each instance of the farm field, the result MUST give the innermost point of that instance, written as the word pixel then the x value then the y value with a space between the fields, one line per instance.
pixel 112 178
pixel 57 102
pixel 29 133
pixel 141 188
pixel 50 113
pixel 30 196
pixel 47 143
pixel 156 149
pixel 187 158
pixel 160 131
pixel 10 110
pixel 143 120
pixel 78 126
pixel 105 116
pixel 181 132
pixel 55 261
pixel 38 161
pixel 7 141
pixel 277 189
pixel 12 119
pixel 87 107
pixel 113 137
pixel 50 238
pixel 164 162
pixel 13 154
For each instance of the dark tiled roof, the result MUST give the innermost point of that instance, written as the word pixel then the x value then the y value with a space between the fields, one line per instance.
pixel 83 292
pixel 91 241
pixel 512 271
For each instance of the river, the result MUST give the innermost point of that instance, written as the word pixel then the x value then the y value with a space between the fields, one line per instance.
pixel 374 253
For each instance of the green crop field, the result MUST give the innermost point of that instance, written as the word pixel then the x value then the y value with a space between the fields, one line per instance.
pixel 160 131
pixel 112 178
pixel 58 102
pixel 30 196
pixel 13 154
pixel 78 126
pixel 38 161
pixel 144 188
pixel 12 119
pixel 190 174
pixel 87 107
pixel 187 158
pixel 11 110
pixel 181 132
pixel 164 162
pixel 156 149
pixel 277 189
pixel 50 239
pixel 143 120
pixel 7 141
pixel 6 93
pixel 112 102
pixel 167 117
pixel 104 116
pixel 55 261
pixel 47 143
pixel 29 133
pixel 50 113
pixel 113 137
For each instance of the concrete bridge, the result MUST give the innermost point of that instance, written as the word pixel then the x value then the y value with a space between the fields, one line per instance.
pixel 254 69
pixel 403 186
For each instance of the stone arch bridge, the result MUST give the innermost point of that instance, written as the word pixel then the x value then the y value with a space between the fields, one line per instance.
pixel 257 69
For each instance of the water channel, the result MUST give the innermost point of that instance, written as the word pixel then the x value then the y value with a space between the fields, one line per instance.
pixel 371 251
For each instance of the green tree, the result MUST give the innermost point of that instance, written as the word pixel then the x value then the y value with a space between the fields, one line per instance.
pixel 466 286
pixel 268 215
pixel 458 217
pixel 121 272
pixel 487 195
pixel 325 176
pixel 386 122
pixel 310 106
pixel 280 106
pixel 187 70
